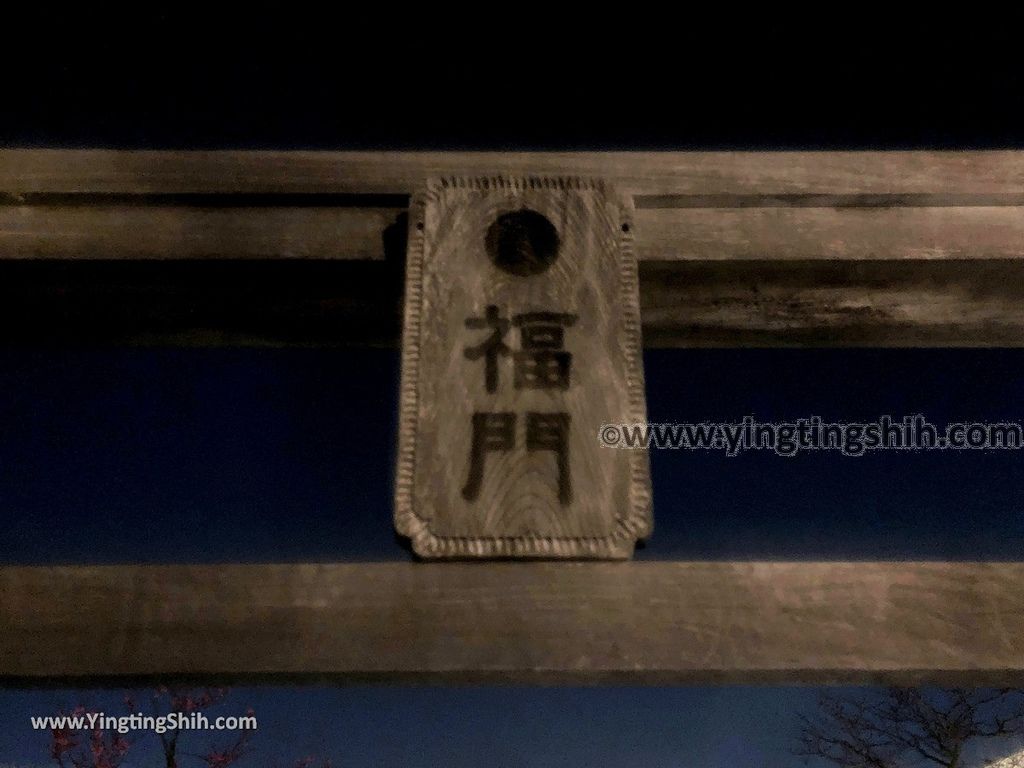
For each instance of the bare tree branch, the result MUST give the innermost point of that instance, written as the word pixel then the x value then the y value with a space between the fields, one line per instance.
pixel 905 726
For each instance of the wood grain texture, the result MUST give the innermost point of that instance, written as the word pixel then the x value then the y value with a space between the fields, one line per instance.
pixel 661 623
pixel 783 233
pixel 476 477
pixel 940 174
pixel 962 303
pixel 182 232
pixel 727 241
pixel 691 205
pixel 753 303
pixel 848 233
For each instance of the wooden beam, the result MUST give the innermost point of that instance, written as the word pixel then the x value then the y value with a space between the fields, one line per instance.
pixel 178 231
pixel 97 204
pixel 753 249
pixel 847 233
pixel 836 303
pixel 652 623
pixel 750 303
pixel 181 232
pixel 938 175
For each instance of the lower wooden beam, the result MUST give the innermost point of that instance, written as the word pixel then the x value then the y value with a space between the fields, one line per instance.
pixel 216 231
pixel 752 303
pixel 653 622
pixel 960 303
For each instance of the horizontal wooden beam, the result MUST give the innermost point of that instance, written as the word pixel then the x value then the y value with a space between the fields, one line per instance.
pixel 940 175
pixel 835 303
pixel 753 249
pixel 145 232
pixel 683 304
pixel 843 233
pixel 654 622
pixel 167 231
pixel 691 206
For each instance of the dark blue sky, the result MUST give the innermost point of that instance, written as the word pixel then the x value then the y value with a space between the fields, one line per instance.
pixel 287 455
pixel 422 727
pixel 274 455
pixel 720 727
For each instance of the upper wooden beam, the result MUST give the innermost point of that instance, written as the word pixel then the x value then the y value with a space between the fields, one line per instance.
pixel 941 175
pixel 755 249
pixel 654 623
pixel 102 204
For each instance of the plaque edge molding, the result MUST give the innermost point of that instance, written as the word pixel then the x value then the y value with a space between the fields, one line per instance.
pixel 637 523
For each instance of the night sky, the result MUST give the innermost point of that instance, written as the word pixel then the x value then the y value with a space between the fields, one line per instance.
pixel 506 727
pixel 160 455
pixel 243 455
pixel 285 455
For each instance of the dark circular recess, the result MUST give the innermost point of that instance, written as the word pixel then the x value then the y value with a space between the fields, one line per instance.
pixel 522 243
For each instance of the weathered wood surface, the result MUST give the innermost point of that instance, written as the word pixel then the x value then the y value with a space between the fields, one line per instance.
pixel 943 176
pixel 757 249
pixel 244 231
pixel 846 233
pixel 704 206
pixel 95 232
pixel 814 303
pixel 693 304
pixel 526 622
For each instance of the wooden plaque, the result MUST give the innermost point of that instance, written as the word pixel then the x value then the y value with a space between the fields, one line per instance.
pixel 521 339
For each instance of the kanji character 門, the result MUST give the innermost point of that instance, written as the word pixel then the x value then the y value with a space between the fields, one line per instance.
pixel 491 432
pixel 550 432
